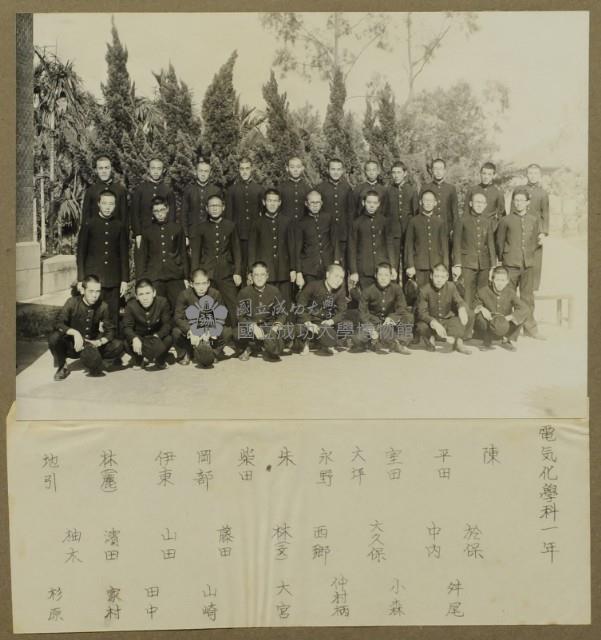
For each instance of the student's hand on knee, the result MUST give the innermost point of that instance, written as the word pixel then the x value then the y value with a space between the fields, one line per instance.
pixel 77 339
pixel 136 345
pixel 463 317
pixel 486 313
pixel 258 332
pixel 374 335
pixel 328 323
pixel 194 340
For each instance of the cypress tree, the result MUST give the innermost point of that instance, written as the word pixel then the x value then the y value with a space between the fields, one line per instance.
pixel 221 123
pixel 380 129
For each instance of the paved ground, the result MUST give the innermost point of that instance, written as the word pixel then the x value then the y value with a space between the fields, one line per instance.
pixel 543 379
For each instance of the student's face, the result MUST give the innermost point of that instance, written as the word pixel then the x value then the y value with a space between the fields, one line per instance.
pixel 155 169
pixel 145 295
pixel 428 202
pixel 259 276
pixel 371 204
pixel 295 168
pixel 314 203
pixel 200 284
pixel 215 207
pixel 500 280
pixel 335 170
pixel 486 176
pixel 383 277
pixel 160 211
pixel 398 175
pixel 533 175
pixel 438 170
pixel 439 277
pixel 245 170
pixel 335 278
pixel 103 169
pixel 106 205
pixel 203 171
pixel 91 293
pixel 272 202
pixel 478 203
pixel 520 202
pixel 371 171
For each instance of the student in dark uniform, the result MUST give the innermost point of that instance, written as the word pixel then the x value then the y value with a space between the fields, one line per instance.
pixel 539 208
pixel 272 242
pixel 385 320
pixel 242 206
pixel 400 204
pixel 262 316
pixel 495 200
pixel 102 249
pixel 371 183
pixel 84 330
pixel 447 206
pixel 425 241
pixel 337 198
pixel 294 189
pixel 441 312
pixel 499 312
pixel 163 255
pixel 200 330
pixel 216 249
pixel 153 186
pixel 474 252
pixel 195 198
pixel 371 242
pixel 147 327
pixel 105 182
pixel 316 242
pixel 518 236
pixel 321 310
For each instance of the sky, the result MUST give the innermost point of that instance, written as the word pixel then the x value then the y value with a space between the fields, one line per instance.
pixel 542 57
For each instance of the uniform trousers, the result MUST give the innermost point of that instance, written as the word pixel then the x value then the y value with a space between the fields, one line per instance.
pixel 272 344
pixel 111 296
pixel 229 293
pixel 154 349
pixel 523 279
pixel 488 332
pixel 205 353
pixel 473 279
pixel 452 325
pixel 169 289
pixel 388 334
pixel 62 347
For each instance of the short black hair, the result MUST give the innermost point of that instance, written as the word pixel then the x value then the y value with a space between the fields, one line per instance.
pixel 444 164
pixel 159 200
pixel 258 263
pixel 333 266
pixel 500 269
pixel 107 192
pixel 371 192
pixel 272 191
pixel 144 282
pixel 399 164
pixel 384 265
pixel 533 165
pixel 423 193
pixel 438 266
pixel 489 165
pixel 215 195
pixel 521 191
pixel 197 272
pixel 91 277
pixel 102 156
pixel 330 160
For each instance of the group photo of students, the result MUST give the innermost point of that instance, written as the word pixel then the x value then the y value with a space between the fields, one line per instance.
pixel 294 268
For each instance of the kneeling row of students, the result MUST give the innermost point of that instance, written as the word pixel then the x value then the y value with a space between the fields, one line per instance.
pixel 199 330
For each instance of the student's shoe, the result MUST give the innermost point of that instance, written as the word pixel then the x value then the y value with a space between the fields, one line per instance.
pixel 399 347
pixel 486 346
pixel 429 344
pixel 269 357
pixel 184 360
pixel 326 351
pixel 509 346
pixel 96 373
pixel 305 350
pixel 136 362
pixel 245 355
pixel 161 365
pixel 61 374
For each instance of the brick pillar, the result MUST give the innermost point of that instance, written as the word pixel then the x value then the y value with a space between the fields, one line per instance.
pixel 28 250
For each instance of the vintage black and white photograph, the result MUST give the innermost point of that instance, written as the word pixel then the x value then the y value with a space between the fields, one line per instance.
pixel 302 215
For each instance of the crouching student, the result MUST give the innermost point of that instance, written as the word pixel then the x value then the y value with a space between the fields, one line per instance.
pixel 442 312
pixel 84 330
pixel 200 316
pixel 321 309
pixel 147 327
pixel 500 312
pixel 262 313
pixel 385 320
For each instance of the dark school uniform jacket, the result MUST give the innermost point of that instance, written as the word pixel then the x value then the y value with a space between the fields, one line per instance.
pixel 447 206
pixel 163 254
pixel 506 302
pixel 426 242
pixel 216 249
pixel 371 243
pixel 378 303
pixel 102 250
pixel 474 242
pixel 89 208
pixel 194 205
pixel 517 240
pixel 188 298
pixel 141 203
pixel 139 322
pixel 316 303
pixel 242 205
pixel 261 306
pixel 272 241
pixel 92 321
pixel 316 243
pixel 438 304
